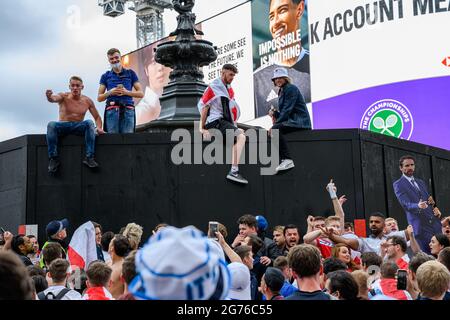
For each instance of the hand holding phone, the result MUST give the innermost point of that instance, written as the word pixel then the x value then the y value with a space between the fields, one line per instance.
pixel 213 228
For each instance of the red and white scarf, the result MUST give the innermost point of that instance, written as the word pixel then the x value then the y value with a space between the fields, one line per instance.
pixel 212 97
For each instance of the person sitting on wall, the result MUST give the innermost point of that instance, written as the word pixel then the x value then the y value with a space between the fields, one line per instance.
pixel 72 110
pixel 292 114
pixel 219 110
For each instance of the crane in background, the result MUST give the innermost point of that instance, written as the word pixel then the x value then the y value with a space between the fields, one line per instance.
pixel 149 19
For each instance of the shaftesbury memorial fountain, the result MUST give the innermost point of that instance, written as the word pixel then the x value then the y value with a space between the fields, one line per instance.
pixel 185 55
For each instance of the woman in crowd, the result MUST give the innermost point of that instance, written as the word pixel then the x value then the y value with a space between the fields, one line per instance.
pixel 437 243
pixel 343 253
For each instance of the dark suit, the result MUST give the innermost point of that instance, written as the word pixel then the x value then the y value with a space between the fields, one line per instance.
pixel 424 222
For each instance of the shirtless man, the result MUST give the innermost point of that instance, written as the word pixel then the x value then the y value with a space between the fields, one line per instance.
pixel 118 249
pixel 72 109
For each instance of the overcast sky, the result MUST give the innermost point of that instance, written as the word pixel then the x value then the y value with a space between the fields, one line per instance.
pixel 45 42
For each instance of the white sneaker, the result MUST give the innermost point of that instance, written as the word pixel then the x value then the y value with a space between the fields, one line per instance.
pixel 285 165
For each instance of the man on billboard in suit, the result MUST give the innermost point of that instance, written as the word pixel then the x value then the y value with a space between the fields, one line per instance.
pixel 418 204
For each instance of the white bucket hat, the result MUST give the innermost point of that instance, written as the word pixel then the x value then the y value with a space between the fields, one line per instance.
pixel 180 264
pixel 240 282
pixel 280 73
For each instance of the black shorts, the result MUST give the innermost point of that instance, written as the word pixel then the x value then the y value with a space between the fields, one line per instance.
pixel 223 126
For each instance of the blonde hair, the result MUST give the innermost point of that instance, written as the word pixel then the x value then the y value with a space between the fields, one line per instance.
pixel 390 219
pixel 133 232
pixel 361 278
pixel 433 279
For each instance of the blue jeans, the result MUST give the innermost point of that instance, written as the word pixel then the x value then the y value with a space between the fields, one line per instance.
pixel 56 129
pixel 120 120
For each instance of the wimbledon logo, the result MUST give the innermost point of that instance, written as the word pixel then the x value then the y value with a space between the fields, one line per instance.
pixel 388 117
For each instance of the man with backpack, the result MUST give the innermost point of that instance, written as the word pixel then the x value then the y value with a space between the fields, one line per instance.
pixel 57 278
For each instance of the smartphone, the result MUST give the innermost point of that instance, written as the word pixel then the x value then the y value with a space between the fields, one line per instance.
pixel 2 239
pixel 213 228
pixel 401 279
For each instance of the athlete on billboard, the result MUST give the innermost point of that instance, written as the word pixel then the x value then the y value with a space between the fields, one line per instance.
pixel 284 21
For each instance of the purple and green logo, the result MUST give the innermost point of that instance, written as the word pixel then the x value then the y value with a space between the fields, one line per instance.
pixel 389 117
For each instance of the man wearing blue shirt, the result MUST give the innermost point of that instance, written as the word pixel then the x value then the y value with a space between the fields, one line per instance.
pixel 116 87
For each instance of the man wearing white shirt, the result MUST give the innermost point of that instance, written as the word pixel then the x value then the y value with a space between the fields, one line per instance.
pixel 57 278
pixel 375 239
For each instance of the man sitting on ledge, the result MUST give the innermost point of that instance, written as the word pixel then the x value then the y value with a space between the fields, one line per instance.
pixel 72 110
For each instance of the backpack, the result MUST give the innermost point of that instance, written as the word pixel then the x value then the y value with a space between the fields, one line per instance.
pixel 51 295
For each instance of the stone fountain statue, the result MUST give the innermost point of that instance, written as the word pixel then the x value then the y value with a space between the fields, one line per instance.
pixel 185 55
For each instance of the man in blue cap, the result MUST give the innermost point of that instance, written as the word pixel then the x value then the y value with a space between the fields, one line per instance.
pixel 56 232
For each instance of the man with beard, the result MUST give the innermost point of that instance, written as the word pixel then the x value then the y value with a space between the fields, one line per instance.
pixel 395 250
pixel 22 246
pixel 375 240
pixel 275 249
pixel 418 204
pixel 292 237
pixel 219 110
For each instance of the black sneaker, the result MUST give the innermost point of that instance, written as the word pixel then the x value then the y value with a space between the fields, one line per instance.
pixel 236 177
pixel 90 162
pixel 53 165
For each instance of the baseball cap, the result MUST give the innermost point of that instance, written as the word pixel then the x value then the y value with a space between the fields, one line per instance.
pixel 55 226
pixel 240 282
pixel 180 264
pixel 274 279
pixel 280 73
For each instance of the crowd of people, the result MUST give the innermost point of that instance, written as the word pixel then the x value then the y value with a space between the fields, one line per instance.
pixel 329 262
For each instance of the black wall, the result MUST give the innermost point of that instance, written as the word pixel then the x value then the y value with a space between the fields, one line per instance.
pixel 137 182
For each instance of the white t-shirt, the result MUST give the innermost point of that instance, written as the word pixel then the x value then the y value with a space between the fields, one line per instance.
pixel 70 295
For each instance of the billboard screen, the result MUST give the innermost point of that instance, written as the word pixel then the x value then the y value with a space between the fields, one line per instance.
pixel 280 38
pixel 381 66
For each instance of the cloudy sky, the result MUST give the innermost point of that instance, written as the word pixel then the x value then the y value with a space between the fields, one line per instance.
pixel 45 42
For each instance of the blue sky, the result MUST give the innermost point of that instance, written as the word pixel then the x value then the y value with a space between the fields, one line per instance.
pixel 44 43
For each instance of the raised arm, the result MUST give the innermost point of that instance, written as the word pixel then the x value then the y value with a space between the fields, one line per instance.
pixel 310 221
pixel 233 256
pixel 310 238
pixel 352 243
pixel 54 98
pixel 338 211
pixel 412 239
